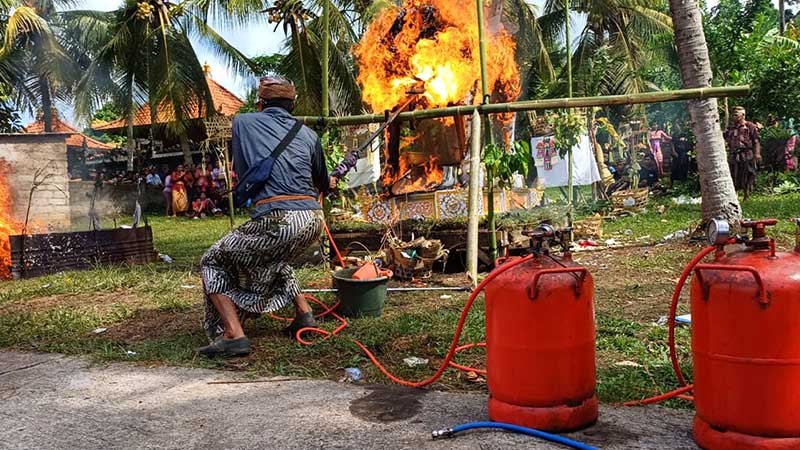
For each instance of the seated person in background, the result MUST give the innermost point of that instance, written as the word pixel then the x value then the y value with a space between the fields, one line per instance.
pixel 203 206
pixel 152 178
pixel 648 174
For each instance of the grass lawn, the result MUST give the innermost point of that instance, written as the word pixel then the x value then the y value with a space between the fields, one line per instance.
pixel 152 313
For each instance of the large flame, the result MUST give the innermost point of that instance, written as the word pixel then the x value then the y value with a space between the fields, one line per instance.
pixel 435 42
pixel 8 226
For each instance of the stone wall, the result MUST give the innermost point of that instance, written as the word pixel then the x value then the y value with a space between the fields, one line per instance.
pixel 113 200
pixel 29 153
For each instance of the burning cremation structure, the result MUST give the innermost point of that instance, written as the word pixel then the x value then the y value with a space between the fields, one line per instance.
pixel 35 214
pixel 425 55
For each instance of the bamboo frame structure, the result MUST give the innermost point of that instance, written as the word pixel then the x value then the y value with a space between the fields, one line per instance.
pixel 536 105
pixel 488 138
pixel 486 109
pixel 474 199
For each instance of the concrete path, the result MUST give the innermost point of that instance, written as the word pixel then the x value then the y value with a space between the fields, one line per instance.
pixel 52 402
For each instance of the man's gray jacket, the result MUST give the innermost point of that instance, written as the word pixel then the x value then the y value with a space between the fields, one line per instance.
pixel 299 170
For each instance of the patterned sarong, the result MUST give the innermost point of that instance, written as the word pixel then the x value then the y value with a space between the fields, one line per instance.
pixel 251 264
pixel 744 170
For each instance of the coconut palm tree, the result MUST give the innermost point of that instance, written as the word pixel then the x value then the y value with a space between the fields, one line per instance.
pixel 716 184
pixel 34 66
pixel 142 52
pixel 533 47
pixel 302 24
pixel 623 28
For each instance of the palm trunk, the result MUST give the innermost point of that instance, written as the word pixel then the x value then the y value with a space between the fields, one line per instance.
pixel 47 104
pixel 131 140
pixel 716 184
pixel 187 150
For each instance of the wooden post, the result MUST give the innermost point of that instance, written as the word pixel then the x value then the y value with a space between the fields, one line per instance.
pixel 227 167
pixel 474 199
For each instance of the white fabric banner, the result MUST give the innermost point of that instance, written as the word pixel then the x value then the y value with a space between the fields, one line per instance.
pixel 367 169
pixel 554 171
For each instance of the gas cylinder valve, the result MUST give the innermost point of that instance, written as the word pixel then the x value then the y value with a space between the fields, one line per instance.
pixel 545 237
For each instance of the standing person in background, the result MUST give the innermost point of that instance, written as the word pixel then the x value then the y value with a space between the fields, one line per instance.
pixel 656 136
pixel 796 151
pixel 287 219
pixel 167 194
pixel 681 146
pixel 744 151
pixel 791 149
pixel 180 193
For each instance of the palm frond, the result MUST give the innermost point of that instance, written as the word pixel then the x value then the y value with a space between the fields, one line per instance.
pixel 230 13
pixel 24 22
pixel 773 38
pixel 221 48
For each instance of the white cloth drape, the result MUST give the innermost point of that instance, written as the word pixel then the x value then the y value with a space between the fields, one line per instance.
pixel 553 170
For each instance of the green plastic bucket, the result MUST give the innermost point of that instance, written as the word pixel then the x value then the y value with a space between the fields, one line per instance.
pixel 360 298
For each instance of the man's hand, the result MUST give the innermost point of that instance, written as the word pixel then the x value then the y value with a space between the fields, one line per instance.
pixel 759 159
pixel 334 183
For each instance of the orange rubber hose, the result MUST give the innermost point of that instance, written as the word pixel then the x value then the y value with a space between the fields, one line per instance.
pixel 454 347
pixel 673 353
pixel 662 397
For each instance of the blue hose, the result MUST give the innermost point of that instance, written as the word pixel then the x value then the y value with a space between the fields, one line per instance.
pixel 517 429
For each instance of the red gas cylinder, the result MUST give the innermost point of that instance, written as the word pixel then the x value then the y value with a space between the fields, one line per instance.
pixel 540 344
pixel 746 347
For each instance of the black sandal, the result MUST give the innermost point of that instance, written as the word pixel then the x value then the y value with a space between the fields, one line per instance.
pixel 226 348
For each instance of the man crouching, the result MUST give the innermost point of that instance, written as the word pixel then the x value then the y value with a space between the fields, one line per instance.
pixel 247 273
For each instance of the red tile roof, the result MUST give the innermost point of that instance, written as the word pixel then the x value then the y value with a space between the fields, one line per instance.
pixel 75 139
pixel 225 103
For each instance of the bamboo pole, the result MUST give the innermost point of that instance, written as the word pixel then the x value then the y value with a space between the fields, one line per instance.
pixel 568 48
pixel 326 55
pixel 229 177
pixel 474 198
pixel 570 168
pixel 488 138
pixel 482 45
pixel 539 105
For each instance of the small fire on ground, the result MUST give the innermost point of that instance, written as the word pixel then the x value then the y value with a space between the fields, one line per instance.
pixel 434 44
pixel 8 226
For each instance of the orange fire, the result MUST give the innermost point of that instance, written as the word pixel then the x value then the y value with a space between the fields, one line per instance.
pixel 8 226
pixel 415 178
pixel 436 42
